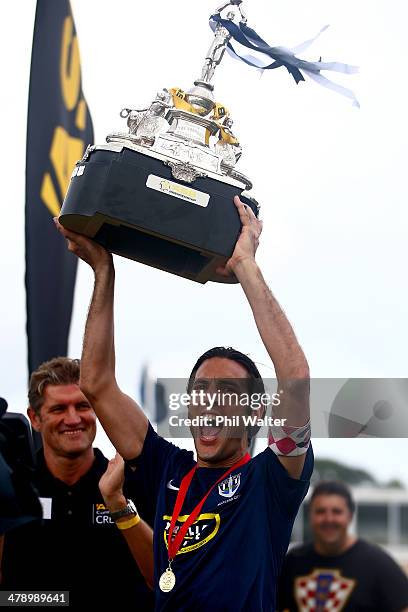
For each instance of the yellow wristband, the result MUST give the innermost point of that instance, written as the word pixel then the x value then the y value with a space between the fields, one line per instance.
pixel 129 523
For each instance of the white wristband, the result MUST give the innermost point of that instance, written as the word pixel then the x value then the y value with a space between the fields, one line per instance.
pixel 289 441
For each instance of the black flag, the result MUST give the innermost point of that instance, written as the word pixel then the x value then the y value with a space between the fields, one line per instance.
pixel 59 129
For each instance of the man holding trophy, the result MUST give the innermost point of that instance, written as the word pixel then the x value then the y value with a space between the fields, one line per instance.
pixel 240 541
pixel 168 194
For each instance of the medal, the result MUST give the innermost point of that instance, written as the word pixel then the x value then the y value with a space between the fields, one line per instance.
pixel 168 578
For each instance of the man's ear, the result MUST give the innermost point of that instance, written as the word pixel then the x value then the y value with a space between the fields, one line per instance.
pixel 262 412
pixel 35 419
pixel 259 413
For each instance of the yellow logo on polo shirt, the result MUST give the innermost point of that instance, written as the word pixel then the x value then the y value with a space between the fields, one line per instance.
pixel 101 515
pixel 199 533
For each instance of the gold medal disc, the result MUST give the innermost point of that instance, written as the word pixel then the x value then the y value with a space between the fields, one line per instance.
pixel 167 580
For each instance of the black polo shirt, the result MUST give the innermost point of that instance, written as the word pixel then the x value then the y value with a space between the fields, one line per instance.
pixel 76 547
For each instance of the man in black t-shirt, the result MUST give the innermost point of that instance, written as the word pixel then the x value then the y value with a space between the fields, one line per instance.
pixel 76 547
pixel 339 572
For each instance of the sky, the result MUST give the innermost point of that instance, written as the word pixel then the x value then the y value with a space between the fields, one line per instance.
pixel 330 180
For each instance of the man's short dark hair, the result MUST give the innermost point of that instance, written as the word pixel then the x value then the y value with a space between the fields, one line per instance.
pixel 332 487
pixel 234 355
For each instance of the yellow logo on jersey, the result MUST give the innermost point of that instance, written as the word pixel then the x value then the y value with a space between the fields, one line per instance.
pixel 199 533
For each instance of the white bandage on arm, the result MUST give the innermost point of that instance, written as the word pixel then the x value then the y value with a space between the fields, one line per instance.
pixel 289 441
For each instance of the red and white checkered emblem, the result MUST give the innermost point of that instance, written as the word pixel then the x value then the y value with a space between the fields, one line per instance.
pixel 324 590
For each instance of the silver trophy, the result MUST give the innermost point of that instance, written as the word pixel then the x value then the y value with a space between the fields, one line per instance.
pixel 162 192
pixel 189 131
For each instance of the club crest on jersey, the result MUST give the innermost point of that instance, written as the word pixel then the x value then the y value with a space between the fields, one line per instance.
pixel 229 486
pixel 323 590
pixel 199 533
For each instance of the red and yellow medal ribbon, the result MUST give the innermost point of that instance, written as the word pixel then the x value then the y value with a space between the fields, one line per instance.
pixel 175 543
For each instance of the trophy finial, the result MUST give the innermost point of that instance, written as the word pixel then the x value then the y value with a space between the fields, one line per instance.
pixel 201 96
pixel 220 42
pixel 237 3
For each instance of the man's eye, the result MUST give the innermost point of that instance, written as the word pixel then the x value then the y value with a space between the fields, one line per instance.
pixel 57 409
pixel 84 407
pixel 199 387
pixel 228 390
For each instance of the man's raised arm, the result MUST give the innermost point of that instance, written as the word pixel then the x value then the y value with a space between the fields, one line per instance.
pixel 122 419
pixel 290 363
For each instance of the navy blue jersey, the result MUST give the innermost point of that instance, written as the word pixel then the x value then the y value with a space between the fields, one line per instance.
pixel 230 558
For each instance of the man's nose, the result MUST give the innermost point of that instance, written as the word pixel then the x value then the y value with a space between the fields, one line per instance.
pixel 71 416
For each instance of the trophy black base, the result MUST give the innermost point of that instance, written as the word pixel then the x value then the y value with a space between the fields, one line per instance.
pixel 132 205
